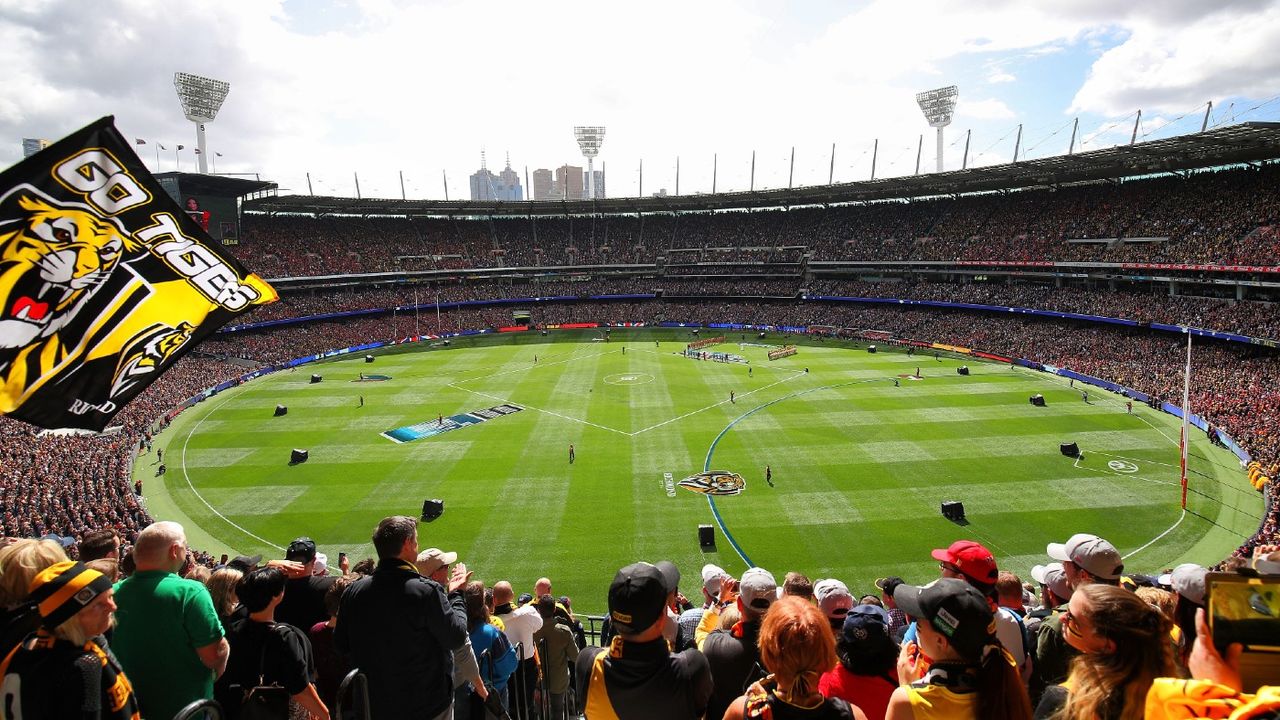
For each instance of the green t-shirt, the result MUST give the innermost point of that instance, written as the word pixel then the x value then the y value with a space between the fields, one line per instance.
pixel 160 621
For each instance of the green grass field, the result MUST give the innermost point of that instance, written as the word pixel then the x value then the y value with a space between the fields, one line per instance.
pixel 859 465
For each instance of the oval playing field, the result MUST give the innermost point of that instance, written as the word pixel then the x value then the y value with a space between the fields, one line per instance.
pixel 862 453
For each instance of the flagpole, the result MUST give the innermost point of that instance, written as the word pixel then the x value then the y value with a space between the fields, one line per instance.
pixel 1186 415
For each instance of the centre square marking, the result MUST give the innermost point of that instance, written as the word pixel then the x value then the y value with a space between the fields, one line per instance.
pixel 628 379
pixel 1123 466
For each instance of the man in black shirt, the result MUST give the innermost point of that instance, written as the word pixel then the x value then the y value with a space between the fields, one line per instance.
pixel 637 677
pixel 303 604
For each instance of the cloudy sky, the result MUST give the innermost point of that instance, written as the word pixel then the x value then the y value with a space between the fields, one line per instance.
pixel 376 87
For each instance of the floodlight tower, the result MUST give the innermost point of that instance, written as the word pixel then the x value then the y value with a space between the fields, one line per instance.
pixel 201 99
pixel 590 139
pixel 937 106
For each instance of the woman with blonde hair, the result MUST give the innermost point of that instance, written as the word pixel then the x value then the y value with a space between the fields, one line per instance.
pixel 796 647
pixel 222 588
pixel 19 564
pixel 1124 646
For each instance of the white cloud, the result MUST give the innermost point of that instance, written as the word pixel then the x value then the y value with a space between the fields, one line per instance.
pixel 422 87
pixel 987 109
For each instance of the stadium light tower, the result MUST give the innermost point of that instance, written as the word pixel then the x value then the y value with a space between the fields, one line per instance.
pixel 937 106
pixel 590 139
pixel 201 99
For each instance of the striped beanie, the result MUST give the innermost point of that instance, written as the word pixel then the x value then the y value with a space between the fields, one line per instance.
pixel 64 589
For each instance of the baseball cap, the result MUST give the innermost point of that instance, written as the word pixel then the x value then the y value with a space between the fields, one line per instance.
pixel 670 575
pixel 972 559
pixel 758 589
pixel 888 584
pixel 432 559
pixel 712 577
pixel 302 549
pixel 245 563
pixel 637 597
pixel 64 589
pixel 864 622
pixel 1187 580
pixel 322 564
pixel 833 598
pixel 1054 577
pixel 954 608
pixel 1090 553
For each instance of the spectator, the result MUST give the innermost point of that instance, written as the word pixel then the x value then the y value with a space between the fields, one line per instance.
pixel 1124 646
pixel 331 666
pixel 265 652
pixel 866 675
pixel 1055 592
pixel 557 652
pixel 834 600
pixel 497 659
pixel 734 655
pixel 222 590
pixel 970 561
pixel 303 605
pixel 1216 689
pixel 66 670
pixel 1188 582
pixel 970 675
pixel 1086 559
pixel 897 619
pixel 637 677
pixel 433 564
pixel 1009 593
pixel 519 623
pixel 400 628
pixel 796 646
pixel 687 623
pixel 97 544
pixel 20 562
pixel 798 584
pixel 167 634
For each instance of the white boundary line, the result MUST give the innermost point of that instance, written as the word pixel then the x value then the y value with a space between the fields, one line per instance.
pixel 749 393
pixel 530 407
pixel 1157 538
pixel 187 475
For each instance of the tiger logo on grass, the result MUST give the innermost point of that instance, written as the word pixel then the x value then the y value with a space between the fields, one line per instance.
pixel 52 260
pixel 714 482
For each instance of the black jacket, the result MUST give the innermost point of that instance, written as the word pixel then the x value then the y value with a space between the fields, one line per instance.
pixel 400 629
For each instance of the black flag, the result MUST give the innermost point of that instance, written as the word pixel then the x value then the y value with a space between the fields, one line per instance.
pixel 104 281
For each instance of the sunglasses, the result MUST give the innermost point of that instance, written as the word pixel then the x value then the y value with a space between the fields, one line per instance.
pixel 950 568
pixel 1069 623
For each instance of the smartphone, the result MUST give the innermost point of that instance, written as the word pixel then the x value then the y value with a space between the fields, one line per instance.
pixel 1246 610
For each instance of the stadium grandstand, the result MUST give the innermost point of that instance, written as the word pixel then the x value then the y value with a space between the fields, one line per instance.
pixel 1092 269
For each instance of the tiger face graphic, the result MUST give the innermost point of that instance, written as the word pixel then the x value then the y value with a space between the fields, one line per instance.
pixel 50 265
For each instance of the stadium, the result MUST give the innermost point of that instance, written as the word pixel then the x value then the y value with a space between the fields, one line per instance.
pixel 832 382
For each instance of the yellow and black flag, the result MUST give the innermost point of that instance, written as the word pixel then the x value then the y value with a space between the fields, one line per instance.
pixel 104 281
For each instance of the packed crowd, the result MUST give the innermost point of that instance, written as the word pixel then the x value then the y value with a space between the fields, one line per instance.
pixel 1225 217
pixel 1251 318
pixel 143 631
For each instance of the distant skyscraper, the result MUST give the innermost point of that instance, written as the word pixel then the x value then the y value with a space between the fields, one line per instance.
pixel 568 184
pixel 31 146
pixel 599 183
pixel 504 186
pixel 543 185
pixel 509 188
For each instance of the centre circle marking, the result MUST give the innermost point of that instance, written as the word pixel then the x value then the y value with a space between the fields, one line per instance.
pixel 1123 466
pixel 628 379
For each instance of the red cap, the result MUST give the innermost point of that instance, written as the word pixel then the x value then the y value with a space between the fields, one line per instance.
pixel 973 560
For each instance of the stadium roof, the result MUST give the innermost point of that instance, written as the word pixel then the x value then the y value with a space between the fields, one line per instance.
pixel 1244 143
pixel 216 185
